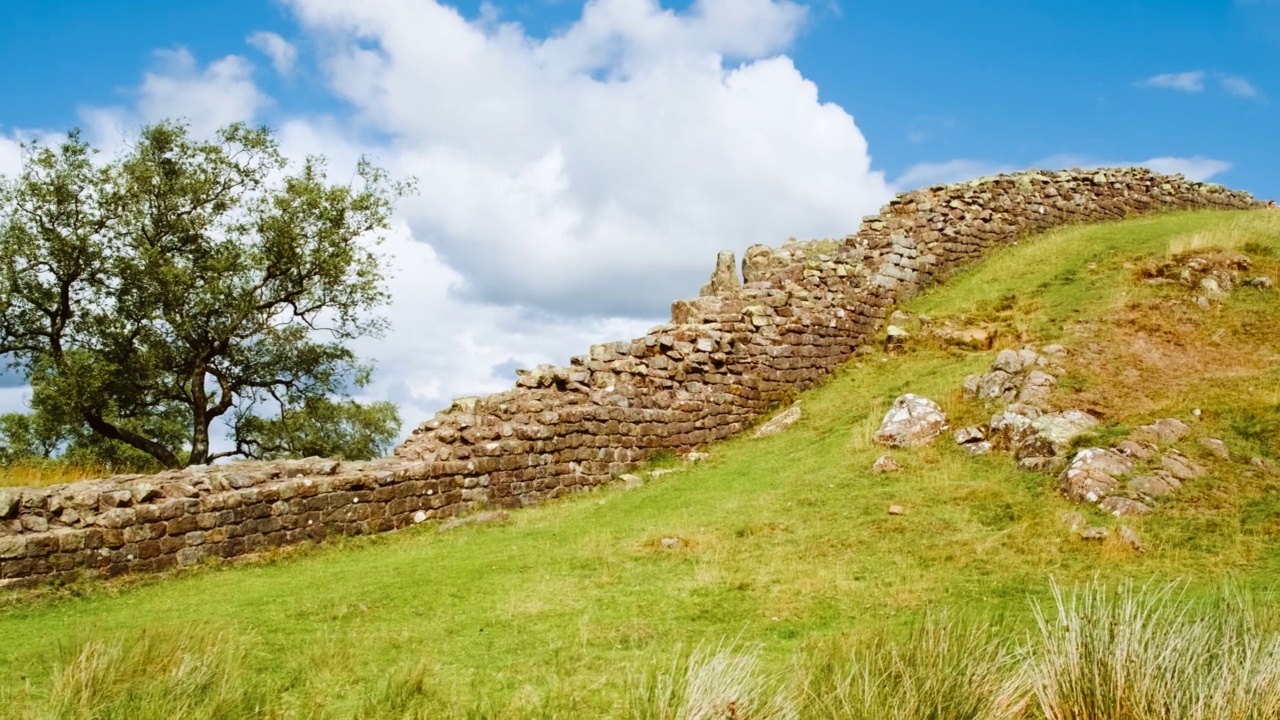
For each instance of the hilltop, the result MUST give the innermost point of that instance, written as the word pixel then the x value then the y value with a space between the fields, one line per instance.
pixel 780 545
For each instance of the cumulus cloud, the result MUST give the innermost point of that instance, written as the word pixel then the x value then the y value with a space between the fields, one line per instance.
pixel 10 156
pixel 571 186
pixel 1193 168
pixel 282 53
pixel 596 172
pixel 207 97
pixel 1188 82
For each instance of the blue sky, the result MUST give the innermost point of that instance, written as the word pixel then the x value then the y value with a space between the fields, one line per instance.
pixel 1007 82
pixel 580 165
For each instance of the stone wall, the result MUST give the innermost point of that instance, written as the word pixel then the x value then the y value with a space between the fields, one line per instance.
pixel 746 344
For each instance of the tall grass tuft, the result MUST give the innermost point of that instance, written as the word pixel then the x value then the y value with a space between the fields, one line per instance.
pixel 724 683
pixel 153 676
pixel 945 670
pixel 1150 654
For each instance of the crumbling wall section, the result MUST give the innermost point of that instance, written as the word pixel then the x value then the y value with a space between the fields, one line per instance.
pixel 747 343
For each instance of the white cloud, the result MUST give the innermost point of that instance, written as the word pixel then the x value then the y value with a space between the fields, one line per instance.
pixel 10 156
pixel 1238 86
pixel 219 94
pixel 951 171
pixel 598 171
pixel 571 187
pixel 14 399
pixel 1195 168
pixel 1188 82
pixel 282 53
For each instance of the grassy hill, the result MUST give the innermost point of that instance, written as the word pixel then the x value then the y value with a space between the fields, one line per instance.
pixel 780 563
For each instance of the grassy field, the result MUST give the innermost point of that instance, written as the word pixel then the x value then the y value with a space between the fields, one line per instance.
pixel 787 555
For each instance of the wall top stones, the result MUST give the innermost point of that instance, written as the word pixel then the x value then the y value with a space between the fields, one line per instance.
pixel 748 342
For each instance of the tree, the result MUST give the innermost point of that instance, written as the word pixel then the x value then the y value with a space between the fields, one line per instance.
pixel 146 297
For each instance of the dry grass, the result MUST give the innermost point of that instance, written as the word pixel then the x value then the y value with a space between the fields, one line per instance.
pixel 1160 347
pixel 1147 654
pixel 44 474
pixel 1246 231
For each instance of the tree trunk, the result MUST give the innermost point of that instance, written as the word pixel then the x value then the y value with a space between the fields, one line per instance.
pixel 150 447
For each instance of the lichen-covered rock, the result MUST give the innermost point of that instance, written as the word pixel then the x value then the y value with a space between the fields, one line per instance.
pixel 1093 474
pixel 911 422
pixel 1122 506
pixel 1164 430
pixel 1155 485
pixel 1027 432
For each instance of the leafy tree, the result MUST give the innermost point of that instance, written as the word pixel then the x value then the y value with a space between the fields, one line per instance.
pixel 185 281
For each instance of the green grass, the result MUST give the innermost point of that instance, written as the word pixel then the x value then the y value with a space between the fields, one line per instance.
pixel 575 609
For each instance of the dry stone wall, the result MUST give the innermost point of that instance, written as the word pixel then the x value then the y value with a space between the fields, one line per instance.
pixel 746 344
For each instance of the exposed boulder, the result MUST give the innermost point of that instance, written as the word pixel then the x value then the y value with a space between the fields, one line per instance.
pixel 1155 485
pixel 1181 467
pixel 1215 446
pixel 1122 506
pixel 1093 474
pixel 911 422
pixel 1027 432
pixel 1164 430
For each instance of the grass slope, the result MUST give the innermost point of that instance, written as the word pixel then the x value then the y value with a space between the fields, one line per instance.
pixel 787 544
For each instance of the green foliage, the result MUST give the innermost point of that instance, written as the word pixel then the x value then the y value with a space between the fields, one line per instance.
pixel 324 428
pixel 147 296
pixel 1257 427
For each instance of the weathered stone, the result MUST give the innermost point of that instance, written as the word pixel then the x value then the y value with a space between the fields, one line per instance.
pixel 724 280
pixel 9 500
pixel 1164 430
pixel 1037 388
pixel 885 464
pixel 1137 450
pixel 1154 485
pixel 969 435
pixel 780 422
pixel 1130 537
pixel 631 482
pixel 897 510
pixel 1093 534
pixel 1093 474
pixel 1181 467
pixel 1122 506
pixel 1213 445
pixel 1008 361
pixel 911 422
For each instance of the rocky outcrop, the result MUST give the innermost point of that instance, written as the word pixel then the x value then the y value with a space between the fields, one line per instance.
pixel 911 422
pixel 725 358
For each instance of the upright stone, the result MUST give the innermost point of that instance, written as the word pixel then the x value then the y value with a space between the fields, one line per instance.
pixel 725 278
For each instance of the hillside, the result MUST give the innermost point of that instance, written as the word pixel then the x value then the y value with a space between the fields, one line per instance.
pixel 779 545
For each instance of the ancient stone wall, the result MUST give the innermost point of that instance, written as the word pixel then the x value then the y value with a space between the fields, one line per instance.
pixel 727 357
